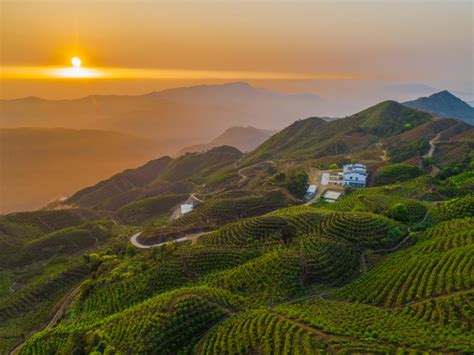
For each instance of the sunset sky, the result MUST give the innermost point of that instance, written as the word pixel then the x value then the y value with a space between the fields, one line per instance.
pixel 140 46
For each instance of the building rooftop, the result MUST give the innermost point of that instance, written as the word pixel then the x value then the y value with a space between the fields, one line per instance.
pixel 349 168
pixel 185 208
pixel 332 195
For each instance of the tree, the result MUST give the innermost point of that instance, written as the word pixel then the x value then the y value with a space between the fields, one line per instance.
pixel 399 212
pixel 131 251
pixel 333 166
pixel 296 183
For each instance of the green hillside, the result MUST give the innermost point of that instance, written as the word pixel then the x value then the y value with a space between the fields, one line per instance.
pixel 117 184
pixel 253 269
pixel 390 118
pixel 444 104
pixel 313 137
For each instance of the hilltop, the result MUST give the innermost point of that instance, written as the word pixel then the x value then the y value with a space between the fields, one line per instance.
pixel 243 138
pixel 314 137
pixel 444 104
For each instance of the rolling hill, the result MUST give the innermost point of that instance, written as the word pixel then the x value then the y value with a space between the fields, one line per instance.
pixel 314 137
pixel 244 139
pixel 444 104
pixel 252 269
pixel 161 176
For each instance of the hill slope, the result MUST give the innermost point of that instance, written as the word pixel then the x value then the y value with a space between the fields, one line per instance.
pixel 315 137
pixel 243 138
pixel 444 104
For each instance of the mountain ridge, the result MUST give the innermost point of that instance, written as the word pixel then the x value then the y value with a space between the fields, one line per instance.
pixel 243 138
pixel 444 104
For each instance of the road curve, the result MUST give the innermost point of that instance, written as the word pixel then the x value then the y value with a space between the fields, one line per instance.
pixel 243 177
pixel 192 237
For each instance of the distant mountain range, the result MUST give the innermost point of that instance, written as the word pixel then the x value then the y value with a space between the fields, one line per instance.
pixel 243 138
pixel 444 104
pixel 403 131
pixel 175 118
pixel 39 164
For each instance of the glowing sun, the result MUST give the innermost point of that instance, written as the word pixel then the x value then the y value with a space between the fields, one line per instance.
pixel 76 62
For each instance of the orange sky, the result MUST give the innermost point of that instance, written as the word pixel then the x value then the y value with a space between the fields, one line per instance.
pixel 156 44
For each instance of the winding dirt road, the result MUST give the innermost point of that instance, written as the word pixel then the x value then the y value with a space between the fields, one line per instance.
pixel 55 318
pixel 193 237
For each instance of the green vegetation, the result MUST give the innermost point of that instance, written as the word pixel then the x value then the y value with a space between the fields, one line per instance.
pixel 297 183
pixel 389 118
pixel 50 221
pixel 386 269
pixel 455 208
pixel 142 210
pixel 223 209
pixel 67 241
pixel 395 173
pixel 364 229
pixel 438 265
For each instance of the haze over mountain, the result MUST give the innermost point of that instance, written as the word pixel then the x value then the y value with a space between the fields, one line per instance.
pixel 243 138
pixel 444 104
pixel 40 164
pixel 174 117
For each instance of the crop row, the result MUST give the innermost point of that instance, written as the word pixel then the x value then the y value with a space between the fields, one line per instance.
pixel 49 221
pixel 272 277
pixel 261 332
pixel 167 323
pixel 456 311
pixel 434 267
pixel 218 211
pixel 366 229
pixel 328 261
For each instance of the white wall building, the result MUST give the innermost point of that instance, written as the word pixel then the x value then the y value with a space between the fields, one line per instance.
pixel 355 175
pixel 311 191
pixel 331 196
pixel 186 207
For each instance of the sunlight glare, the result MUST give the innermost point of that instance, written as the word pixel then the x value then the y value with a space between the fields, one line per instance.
pixel 76 62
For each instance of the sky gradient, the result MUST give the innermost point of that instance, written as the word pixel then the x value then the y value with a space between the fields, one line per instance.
pixel 146 45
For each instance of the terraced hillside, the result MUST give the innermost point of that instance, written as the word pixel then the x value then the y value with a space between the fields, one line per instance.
pixel 157 177
pixel 440 264
pixel 315 137
pixel 252 269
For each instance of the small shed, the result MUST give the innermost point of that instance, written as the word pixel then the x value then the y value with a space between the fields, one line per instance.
pixel 332 196
pixel 186 207
pixel 310 192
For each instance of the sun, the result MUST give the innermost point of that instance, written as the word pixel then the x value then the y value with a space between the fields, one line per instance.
pixel 76 62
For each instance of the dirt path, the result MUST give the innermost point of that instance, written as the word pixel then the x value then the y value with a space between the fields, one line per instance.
pixel 433 145
pixel 192 237
pixel 244 178
pixel 389 250
pixel 55 318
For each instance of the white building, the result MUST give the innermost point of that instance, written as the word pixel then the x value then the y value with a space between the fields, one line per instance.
pixel 186 207
pixel 311 192
pixel 355 175
pixel 331 196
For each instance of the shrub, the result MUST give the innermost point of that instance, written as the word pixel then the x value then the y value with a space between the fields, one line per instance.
pixel 399 211
pixel 396 172
pixel 296 183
